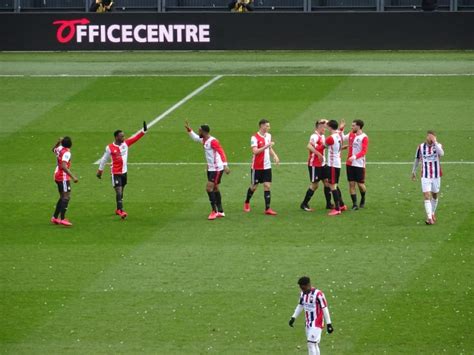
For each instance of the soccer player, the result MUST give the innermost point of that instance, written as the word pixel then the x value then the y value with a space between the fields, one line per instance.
pixel 261 171
pixel 315 307
pixel 334 144
pixel 317 166
pixel 216 164
pixel 62 177
pixel 118 152
pixel 355 164
pixel 429 153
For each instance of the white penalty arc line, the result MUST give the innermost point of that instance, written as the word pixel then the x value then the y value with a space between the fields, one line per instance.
pixel 183 163
pixel 179 103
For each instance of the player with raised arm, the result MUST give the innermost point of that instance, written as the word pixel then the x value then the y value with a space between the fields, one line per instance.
pixel 313 302
pixel 428 154
pixel 261 172
pixel 334 143
pixel 118 153
pixel 355 164
pixel 62 177
pixel 317 166
pixel 216 165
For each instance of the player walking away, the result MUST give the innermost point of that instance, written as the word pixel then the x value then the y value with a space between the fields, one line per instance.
pixel 334 144
pixel 118 152
pixel 62 177
pixel 317 166
pixel 315 307
pixel 261 172
pixel 355 164
pixel 216 164
pixel 429 153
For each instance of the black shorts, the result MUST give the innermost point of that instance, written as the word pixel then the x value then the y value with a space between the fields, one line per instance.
pixel 119 180
pixel 317 173
pixel 260 176
pixel 355 173
pixel 63 186
pixel 215 176
pixel 333 175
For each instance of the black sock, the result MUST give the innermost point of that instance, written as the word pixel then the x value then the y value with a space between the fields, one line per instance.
pixel 219 201
pixel 362 197
pixel 335 195
pixel 308 196
pixel 354 199
pixel 267 196
pixel 327 194
pixel 57 211
pixel 249 195
pixel 64 204
pixel 212 199
pixel 341 202
pixel 119 199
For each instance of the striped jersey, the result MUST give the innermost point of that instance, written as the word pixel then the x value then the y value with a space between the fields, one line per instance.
pixel 62 154
pixel 358 145
pixel 429 157
pixel 334 144
pixel 317 141
pixel 215 155
pixel 261 161
pixel 313 304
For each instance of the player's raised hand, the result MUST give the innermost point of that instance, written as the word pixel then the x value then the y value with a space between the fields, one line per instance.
pixel 145 127
pixel 291 322
pixel 330 328
pixel 187 126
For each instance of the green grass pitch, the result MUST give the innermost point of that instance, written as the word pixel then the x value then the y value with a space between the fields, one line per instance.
pixel 168 281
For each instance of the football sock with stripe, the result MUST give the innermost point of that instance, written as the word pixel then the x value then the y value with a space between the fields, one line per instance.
pixel 249 195
pixel 327 194
pixel 119 200
pixel 341 202
pixel 335 195
pixel 64 204
pixel 267 196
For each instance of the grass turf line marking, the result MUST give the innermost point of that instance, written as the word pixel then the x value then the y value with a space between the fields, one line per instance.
pixel 180 103
pixel 297 163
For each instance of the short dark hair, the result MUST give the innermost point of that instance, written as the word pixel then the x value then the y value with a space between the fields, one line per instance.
pixel 263 121
pixel 205 128
pixel 117 132
pixel 333 124
pixel 360 123
pixel 304 280
pixel 66 142
pixel 431 132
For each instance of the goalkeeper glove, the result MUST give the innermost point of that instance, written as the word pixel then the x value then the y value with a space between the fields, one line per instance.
pixel 330 328
pixel 145 128
pixel 291 322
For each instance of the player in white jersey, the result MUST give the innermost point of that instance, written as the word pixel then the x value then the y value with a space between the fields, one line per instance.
pixel 313 302
pixel 216 164
pixel 428 154
pixel 334 144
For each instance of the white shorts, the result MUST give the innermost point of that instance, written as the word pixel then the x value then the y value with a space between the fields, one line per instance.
pixel 430 185
pixel 313 334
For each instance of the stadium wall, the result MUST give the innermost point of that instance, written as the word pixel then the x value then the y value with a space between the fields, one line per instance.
pixel 226 31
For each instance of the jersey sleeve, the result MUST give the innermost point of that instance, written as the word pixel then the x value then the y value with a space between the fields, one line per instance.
pixel 439 148
pixel 135 138
pixel 57 149
pixel 329 140
pixel 66 157
pixel 253 142
pixel 322 300
pixel 194 136
pixel 105 158
pixel 218 148
pixel 418 153
pixel 365 146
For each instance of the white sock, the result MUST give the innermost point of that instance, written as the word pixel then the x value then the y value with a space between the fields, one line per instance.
pixel 428 208
pixel 313 349
pixel 434 204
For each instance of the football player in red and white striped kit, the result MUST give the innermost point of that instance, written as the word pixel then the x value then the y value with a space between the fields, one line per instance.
pixel 334 143
pixel 313 302
pixel 355 164
pixel 428 154
pixel 216 165
pixel 62 177
pixel 317 166
pixel 118 152
pixel 261 171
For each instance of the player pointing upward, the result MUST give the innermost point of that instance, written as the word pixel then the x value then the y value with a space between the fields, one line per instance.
pixel 118 152
pixel 428 154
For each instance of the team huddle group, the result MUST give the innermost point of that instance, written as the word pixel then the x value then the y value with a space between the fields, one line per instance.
pixel 324 164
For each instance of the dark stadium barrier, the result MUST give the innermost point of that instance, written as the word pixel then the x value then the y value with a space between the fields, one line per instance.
pixel 219 31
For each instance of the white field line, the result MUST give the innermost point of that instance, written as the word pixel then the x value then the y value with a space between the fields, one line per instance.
pixel 180 103
pixel 235 75
pixel 295 163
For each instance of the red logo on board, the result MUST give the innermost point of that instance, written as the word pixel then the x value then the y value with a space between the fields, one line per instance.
pixel 67 29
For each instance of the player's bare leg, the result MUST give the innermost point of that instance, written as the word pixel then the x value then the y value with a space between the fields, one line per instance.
pixel 65 197
pixel 362 191
pixel 352 192
pixel 428 207
pixel 250 193
pixel 119 200
pixel 336 196
pixel 327 195
pixel 267 196
pixel 434 204
pixel 212 199
pixel 309 194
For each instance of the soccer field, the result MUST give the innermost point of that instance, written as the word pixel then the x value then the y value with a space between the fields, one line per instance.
pixel 167 280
